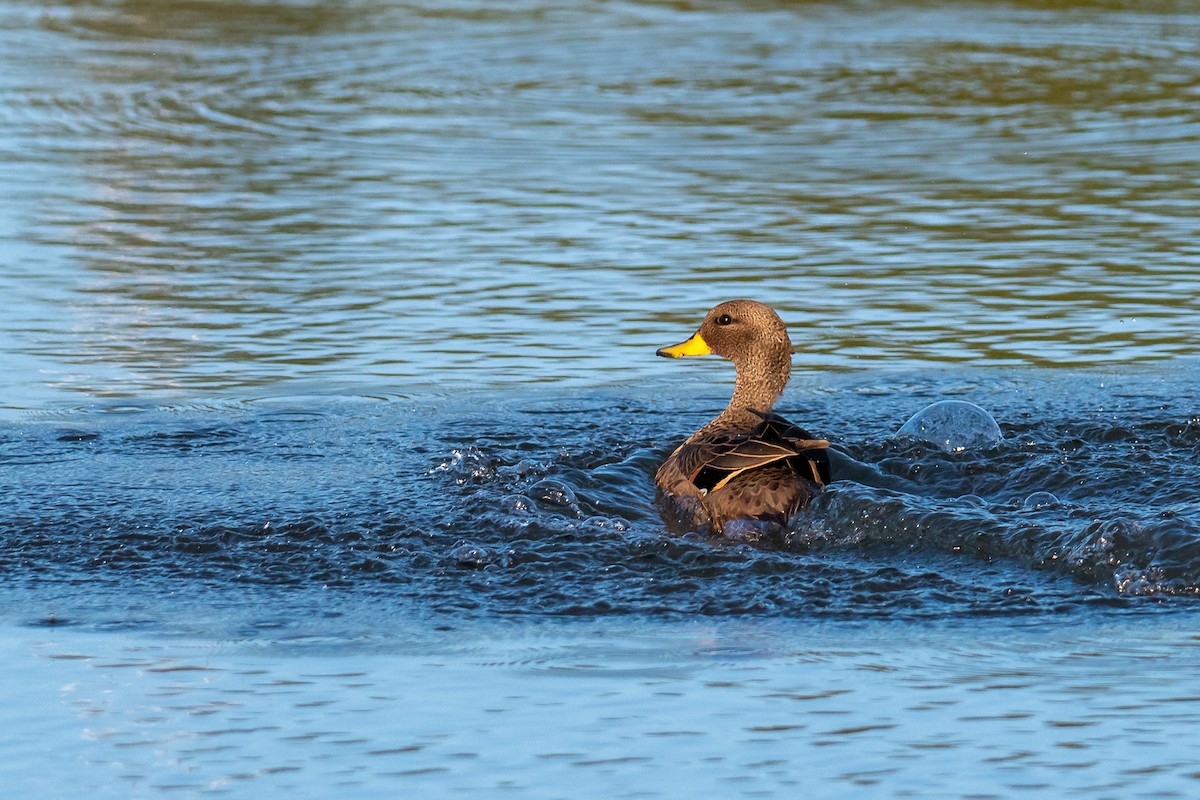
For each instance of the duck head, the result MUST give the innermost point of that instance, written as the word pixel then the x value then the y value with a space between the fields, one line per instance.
pixel 754 338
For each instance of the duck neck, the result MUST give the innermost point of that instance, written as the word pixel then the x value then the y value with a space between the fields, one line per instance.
pixel 761 378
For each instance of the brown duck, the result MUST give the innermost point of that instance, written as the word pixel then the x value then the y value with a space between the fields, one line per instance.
pixel 748 463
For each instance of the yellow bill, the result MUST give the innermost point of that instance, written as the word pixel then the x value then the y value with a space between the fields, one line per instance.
pixel 695 346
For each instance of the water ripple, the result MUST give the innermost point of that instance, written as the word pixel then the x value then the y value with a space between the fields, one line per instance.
pixel 511 506
pixel 234 200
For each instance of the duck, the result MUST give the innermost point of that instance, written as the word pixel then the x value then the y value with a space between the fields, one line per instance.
pixel 749 463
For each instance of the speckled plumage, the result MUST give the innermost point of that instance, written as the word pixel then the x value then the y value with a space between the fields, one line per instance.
pixel 748 463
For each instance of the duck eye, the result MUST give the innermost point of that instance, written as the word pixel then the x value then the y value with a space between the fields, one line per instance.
pixel 724 319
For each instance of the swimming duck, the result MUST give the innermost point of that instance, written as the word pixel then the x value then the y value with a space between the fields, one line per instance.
pixel 748 463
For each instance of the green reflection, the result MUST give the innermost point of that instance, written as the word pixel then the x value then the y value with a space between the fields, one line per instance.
pixel 256 193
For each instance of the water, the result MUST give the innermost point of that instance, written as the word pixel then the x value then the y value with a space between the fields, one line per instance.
pixel 330 406
pixel 228 197
pixel 462 594
pixel 745 709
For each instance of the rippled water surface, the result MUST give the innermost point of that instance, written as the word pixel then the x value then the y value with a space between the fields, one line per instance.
pixel 474 593
pixel 330 410
pixel 741 710
pixel 222 196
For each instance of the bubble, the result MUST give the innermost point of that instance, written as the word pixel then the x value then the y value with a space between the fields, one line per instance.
pixel 523 468
pixel 473 556
pixel 1040 500
pixel 607 523
pixel 554 492
pixel 466 465
pixel 953 426
pixel 516 503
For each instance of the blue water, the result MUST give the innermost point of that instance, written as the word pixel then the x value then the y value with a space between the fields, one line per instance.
pixel 714 708
pixel 330 407
pixel 452 595
pixel 520 503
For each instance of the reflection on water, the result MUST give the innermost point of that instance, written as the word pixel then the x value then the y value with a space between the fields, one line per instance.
pixel 207 197
pixel 749 710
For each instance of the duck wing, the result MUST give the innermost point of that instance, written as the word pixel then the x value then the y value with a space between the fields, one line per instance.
pixel 720 458
pixel 805 444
